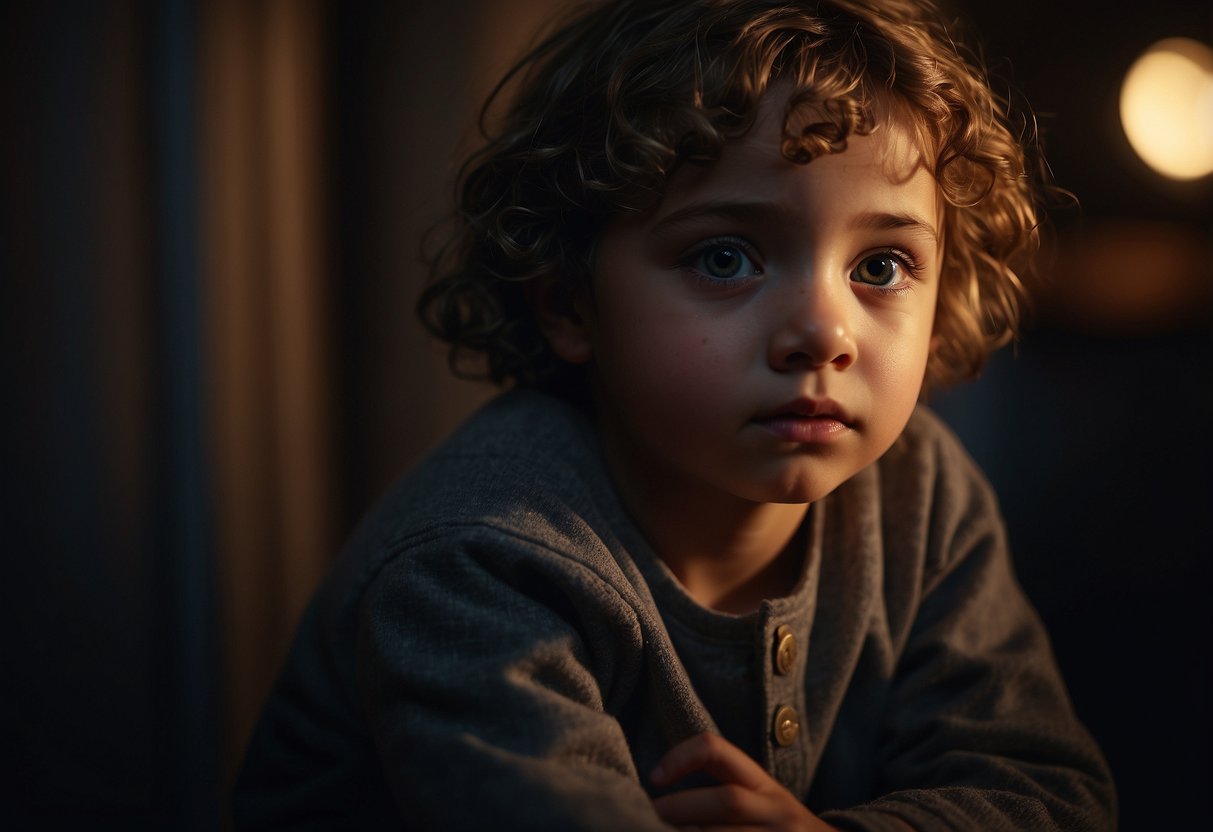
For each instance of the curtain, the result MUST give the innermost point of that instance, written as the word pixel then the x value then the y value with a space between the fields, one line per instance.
pixel 108 603
pixel 209 236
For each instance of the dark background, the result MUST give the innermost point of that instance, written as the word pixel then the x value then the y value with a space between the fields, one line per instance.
pixel 1096 430
pixel 209 218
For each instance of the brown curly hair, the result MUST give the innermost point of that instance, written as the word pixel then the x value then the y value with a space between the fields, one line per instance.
pixel 620 94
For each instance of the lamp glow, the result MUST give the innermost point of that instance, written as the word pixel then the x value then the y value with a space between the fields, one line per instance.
pixel 1166 108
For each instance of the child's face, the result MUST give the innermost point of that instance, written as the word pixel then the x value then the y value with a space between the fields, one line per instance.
pixel 763 332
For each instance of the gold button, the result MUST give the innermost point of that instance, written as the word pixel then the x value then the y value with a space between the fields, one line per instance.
pixel 787 725
pixel 785 650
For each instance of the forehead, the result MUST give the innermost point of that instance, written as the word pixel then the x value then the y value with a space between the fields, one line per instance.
pixel 886 171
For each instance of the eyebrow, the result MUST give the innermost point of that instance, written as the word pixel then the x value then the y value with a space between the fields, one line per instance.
pixel 769 211
pixel 882 221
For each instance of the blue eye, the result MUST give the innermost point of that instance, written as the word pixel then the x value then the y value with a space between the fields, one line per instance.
pixel 723 260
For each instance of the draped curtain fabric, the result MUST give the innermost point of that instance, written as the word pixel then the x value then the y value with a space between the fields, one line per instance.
pixel 330 135
pixel 209 236
pixel 108 629
pixel 268 331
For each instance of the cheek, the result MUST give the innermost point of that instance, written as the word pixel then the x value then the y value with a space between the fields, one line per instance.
pixel 669 368
pixel 898 366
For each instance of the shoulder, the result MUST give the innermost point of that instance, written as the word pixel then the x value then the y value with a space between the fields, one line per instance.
pixel 517 496
pixel 931 476
pixel 928 443
pixel 923 504
pixel 929 466
pixel 521 463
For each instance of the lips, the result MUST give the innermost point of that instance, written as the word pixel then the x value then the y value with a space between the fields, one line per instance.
pixel 808 408
pixel 807 421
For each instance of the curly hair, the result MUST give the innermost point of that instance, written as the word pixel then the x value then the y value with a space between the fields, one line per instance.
pixel 610 103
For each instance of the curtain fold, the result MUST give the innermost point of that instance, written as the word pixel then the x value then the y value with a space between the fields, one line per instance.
pixel 268 332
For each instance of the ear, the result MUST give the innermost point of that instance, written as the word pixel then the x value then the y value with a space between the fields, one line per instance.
pixel 564 317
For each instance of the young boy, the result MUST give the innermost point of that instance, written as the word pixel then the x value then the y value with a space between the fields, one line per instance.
pixel 708 563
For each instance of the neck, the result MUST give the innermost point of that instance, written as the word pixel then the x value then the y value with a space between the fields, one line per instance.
pixel 732 567
pixel 729 553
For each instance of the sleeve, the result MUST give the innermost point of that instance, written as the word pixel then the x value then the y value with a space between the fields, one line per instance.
pixel 978 729
pixel 486 668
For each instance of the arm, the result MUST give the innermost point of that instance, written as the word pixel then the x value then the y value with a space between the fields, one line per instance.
pixel 486 672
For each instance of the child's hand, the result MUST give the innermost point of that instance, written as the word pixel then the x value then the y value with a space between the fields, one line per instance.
pixel 747 795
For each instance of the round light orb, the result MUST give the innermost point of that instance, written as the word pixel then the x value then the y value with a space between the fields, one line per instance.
pixel 1166 108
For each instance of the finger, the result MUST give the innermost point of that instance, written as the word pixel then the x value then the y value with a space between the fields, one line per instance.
pixel 729 804
pixel 713 755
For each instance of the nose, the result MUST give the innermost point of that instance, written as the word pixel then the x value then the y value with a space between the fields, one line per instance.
pixel 814 329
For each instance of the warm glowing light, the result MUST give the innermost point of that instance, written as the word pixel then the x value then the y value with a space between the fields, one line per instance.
pixel 1166 107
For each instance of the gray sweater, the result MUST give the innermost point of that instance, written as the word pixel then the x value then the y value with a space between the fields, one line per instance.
pixel 498 648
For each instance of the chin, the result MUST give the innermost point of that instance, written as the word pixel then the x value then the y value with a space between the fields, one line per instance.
pixel 800 496
pixel 799 490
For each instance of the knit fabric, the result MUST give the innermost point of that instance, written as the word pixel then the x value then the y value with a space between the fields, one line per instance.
pixel 499 648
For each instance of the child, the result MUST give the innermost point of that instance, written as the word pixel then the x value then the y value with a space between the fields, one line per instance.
pixel 708 563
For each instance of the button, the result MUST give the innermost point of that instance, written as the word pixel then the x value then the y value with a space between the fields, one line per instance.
pixel 785 650
pixel 787 725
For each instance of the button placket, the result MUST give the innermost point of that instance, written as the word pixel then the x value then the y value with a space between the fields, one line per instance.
pixel 784 628
pixel 785 719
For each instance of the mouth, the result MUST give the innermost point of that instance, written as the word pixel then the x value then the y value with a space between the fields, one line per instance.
pixel 807 421
pixel 808 408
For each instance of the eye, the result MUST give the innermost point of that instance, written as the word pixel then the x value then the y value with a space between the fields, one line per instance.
pixel 877 270
pixel 884 269
pixel 723 259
